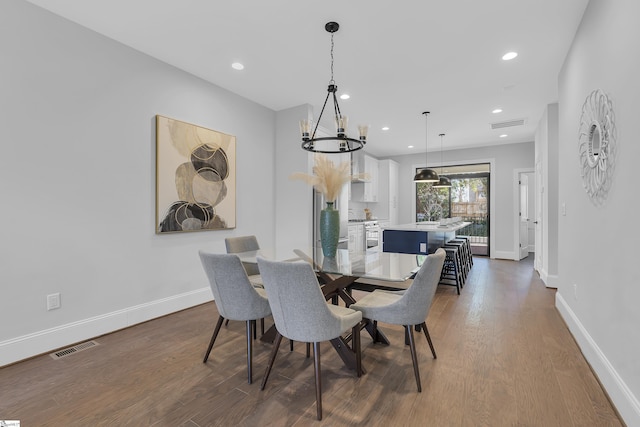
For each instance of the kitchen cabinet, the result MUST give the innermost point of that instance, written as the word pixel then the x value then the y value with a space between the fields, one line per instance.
pixel 365 190
pixel 387 207
pixel 356 237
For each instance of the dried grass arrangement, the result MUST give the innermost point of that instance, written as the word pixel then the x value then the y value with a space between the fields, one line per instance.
pixel 328 178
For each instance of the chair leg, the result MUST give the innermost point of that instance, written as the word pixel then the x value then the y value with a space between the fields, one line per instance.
pixel 414 356
pixel 426 334
pixel 272 358
pixel 316 364
pixel 262 326
pixel 213 338
pixel 308 349
pixel 355 337
pixel 255 329
pixel 251 326
pixel 290 345
pixel 226 323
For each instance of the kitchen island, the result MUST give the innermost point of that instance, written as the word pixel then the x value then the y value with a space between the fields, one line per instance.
pixel 420 238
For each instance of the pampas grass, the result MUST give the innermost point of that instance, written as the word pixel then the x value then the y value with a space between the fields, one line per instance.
pixel 327 178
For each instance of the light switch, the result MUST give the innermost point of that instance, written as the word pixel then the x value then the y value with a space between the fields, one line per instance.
pixel 423 247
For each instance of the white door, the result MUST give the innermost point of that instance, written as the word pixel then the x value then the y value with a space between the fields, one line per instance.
pixel 524 215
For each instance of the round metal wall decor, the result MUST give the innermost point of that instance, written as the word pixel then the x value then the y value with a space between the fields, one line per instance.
pixel 597 145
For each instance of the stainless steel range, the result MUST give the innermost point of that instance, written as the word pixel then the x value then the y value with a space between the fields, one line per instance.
pixel 371 232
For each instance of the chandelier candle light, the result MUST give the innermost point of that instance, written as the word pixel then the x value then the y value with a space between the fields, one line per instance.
pixel 341 143
pixel 426 174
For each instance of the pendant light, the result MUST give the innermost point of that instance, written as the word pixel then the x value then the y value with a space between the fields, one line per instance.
pixel 340 143
pixel 426 174
pixel 443 182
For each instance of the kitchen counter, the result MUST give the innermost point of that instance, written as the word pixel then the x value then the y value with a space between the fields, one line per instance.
pixel 428 226
pixel 419 237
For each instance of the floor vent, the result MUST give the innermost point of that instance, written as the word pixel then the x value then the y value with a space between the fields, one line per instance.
pixel 71 350
pixel 508 124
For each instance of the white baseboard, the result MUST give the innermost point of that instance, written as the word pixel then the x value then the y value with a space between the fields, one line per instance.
pixel 550 280
pixel 40 342
pixel 624 400
pixel 506 255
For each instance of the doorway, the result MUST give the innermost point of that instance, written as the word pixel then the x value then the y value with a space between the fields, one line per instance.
pixel 467 198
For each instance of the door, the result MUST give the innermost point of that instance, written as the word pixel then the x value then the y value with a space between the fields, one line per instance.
pixel 524 215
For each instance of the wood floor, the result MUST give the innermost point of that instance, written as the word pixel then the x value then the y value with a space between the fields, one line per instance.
pixel 505 358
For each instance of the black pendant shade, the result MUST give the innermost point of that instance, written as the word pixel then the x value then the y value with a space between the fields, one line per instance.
pixel 426 175
pixel 443 182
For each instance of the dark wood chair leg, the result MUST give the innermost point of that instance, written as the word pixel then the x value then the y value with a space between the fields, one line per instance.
pixel 290 345
pixel 355 345
pixel 255 329
pixel 414 356
pixel 272 358
pixel 226 323
pixel 213 338
pixel 308 349
pixel 426 334
pixel 251 325
pixel 316 364
pixel 262 326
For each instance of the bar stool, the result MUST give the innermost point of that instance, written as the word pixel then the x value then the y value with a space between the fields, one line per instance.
pixel 462 254
pixel 451 274
pixel 467 241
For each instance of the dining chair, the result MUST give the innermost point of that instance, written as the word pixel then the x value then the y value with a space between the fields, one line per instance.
pixel 235 298
pixel 239 244
pixel 301 313
pixel 408 308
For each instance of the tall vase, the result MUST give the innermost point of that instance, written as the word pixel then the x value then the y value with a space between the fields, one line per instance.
pixel 329 230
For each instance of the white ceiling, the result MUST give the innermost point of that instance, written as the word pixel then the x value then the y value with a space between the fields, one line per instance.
pixel 395 59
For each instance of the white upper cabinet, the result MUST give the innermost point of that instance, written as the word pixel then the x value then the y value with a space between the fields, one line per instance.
pixel 364 190
pixel 387 208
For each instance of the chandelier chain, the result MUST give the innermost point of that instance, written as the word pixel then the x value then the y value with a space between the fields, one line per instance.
pixel 332 80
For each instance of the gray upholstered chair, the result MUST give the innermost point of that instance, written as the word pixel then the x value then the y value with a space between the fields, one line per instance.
pixel 408 308
pixel 239 244
pixel 301 313
pixel 235 245
pixel 235 298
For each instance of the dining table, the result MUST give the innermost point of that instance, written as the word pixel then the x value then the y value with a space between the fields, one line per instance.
pixel 349 270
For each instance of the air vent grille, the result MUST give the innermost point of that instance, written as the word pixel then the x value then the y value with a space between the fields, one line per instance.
pixel 71 350
pixel 508 124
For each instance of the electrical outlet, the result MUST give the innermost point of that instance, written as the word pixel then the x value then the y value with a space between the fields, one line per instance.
pixel 53 301
pixel 575 291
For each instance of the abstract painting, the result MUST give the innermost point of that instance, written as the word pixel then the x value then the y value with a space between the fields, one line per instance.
pixel 195 178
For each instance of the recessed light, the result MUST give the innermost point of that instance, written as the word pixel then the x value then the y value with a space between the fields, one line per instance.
pixel 504 135
pixel 385 128
pixel 497 110
pixel 509 55
pixel 237 66
pixel 411 146
pixel 345 96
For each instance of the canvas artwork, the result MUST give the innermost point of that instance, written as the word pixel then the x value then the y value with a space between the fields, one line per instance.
pixel 195 178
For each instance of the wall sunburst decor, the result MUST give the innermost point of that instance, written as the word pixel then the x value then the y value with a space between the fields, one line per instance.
pixel 597 145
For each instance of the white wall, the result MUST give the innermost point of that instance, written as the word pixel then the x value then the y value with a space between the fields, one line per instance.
pixel 294 209
pixel 77 179
pixel 505 158
pixel 547 147
pixel 598 246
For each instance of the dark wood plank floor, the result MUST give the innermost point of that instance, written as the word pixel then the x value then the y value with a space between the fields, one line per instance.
pixel 505 358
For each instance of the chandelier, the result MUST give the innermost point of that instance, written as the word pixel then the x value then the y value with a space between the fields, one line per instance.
pixel 426 174
pixel 341 143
